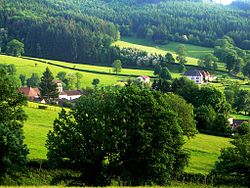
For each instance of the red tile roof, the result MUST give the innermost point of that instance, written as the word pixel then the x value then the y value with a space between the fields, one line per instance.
pixel 29 91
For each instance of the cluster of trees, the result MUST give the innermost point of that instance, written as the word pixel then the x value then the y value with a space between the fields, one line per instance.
pixel 57 33
pixel 70 81
pixel 236 59
pixel 112 136
pixel 238 98
pixel 211 107
pixel 135 57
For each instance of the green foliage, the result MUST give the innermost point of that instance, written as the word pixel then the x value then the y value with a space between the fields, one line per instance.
pixel 243 129
pixel 233 165
pixel 246 70
pixel 208 62
pixel 185 114
pixel 13 151
pixel 117 66
pixel 242 101
pixel 10 68
pixel 33 81
pixel 23 79
pixel 205 117
pixel 169 58
pixel 47 87
pixel 110 134
pixel 15 48
pixel 78 80
pixel 165 74
pixel 185 88
pixel 95 82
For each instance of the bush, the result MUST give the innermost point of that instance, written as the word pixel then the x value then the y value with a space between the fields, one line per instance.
pixel 243 129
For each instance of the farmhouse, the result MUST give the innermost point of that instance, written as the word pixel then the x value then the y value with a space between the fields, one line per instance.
pixel 144 79
pixel 199 76
pixel 31 93
pixel 70 95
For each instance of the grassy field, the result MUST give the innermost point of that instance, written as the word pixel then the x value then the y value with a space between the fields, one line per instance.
pixel 204 149
pixel 36 128
pixel 102 69
pixel 193 52
pixel 28 67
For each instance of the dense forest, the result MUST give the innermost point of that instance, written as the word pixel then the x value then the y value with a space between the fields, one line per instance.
pixel 82 30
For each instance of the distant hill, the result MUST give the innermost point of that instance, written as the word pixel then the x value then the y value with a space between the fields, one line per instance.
pixel 83 30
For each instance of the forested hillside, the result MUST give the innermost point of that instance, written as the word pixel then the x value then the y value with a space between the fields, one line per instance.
pixel 50 30
pixel 82 30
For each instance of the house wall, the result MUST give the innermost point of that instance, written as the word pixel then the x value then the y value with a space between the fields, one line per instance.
pixel 69 97
pixel 196 79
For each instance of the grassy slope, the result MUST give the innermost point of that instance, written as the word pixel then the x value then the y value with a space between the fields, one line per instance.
pixel 36 128
pixel 204 149
pixel 28 67
pixel 193 52
pixel 103 69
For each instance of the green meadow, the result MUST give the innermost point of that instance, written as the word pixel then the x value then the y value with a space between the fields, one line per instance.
pixel 193 52
pixel 204 149
pixel 28 67
pixel 101 69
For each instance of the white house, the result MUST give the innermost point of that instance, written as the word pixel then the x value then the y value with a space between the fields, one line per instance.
pixel 70 94
pixel 199 76
pixel 67 94
pixel 195 75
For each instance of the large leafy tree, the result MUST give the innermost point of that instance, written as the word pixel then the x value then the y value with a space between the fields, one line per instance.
pixel 233 167
pixel 48 88
pixel 13 151
pixel 129 133
pixel 15 48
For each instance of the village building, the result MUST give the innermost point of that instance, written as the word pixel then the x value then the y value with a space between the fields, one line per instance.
pixel 70 95
pixel 199 76
pixel 33 94
pixel 144 79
